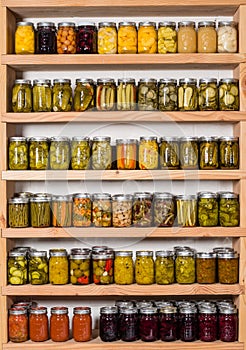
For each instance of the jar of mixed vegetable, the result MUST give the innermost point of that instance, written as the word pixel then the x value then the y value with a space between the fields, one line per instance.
pixel 18 212
pixel 38 153
pixel 62 95
pixel 148 153
pixel 24 38
pixel 164 209
pixel 58 266
pixel 144 267
pixel 185 272
pixel 167 37
pixel 229 94
pixel 186 210
pixel 18 325
pixel 127 37
pixel 86 38
pixel 229 152
pixel 126 94
pixel 108 324
pixel 169 153
pixel 164 267
pixel 123 267
pixel 228 266
pixel 187 95
pixel 147 95
pixel 42 95
pixel 229 210
pixel 209 153
pixel 46 38
pixel 169 323
pixel 61 211
pixel 38 267
pixel 103 267
pixel 122 210
pixel 40 211
pixel 148 324
pixel 59 324
pixel 107 38
pixel 22 96
pixel 38 324
pixel 84 95
pixel 206 267
pixel 208 209
pixel 82 210
pixel 126 154
pixel 101 153
pixel 208 95
pixel 101 210
pixel 168 95
pixel 142 209
pixel 17 268
pixel 59 153
pixel 80 268
pixel 189 152
pixel 82 324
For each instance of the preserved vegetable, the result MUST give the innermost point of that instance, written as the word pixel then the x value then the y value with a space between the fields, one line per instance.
pixel 168 95
pixel 148 153
pixel 128 324
pixel 24 38
pixel 84 95
pixel 123 267
pixel 17 268
pixel 38 153
pixel 58 266
pixel 229 211
pixel 66 38
pixel 227 37
pixel 167 37
pixel 22 96
pixel 108 322
pixel 228 324
pixel 147 37
pixel 121 210
pixel 207 324
pixel 208 95
pixel 59 153
pixel 126 95
pixel 18 153
pixel 169 153
pixel 147 95
pixel 40 211
pixel 206 267
pixel 127 37
pixel 148 324
pixel 81 210
pixel 18 212
pixel 82 324
pixel 61 211
pixel 38 324
pixel 229 95
pixel 103 267
pixel 208 209
pixel 80 153
pixel 62 95
pixel 209 153
pixel 106 95
pixel 206 37
pixel 126 154
pixel 187 41
pixel 142 209
pixel 188 153
pixel 164 209
pixel 107 38
pixel 38 268
pixel 144 267
pixel 228 267
pixel 101 210
pixel 185 267
pixel 168 323
pixel 86 38
pixel 187 95
pixel 229 152
pixel 188 323
pixel 18 325
pixel 80 268
pixel 42 96
pixel 46 38
pixel 164 267
pixel 186 210
pixel 101 153
pixel 59 324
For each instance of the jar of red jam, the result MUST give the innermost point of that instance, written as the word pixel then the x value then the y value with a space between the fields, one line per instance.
pixel 228 321
pixel 86 38
pixel 38 324
pixel 148 324
pixel 168 323
pixel 59 324
pixel 188 323
pixel 82 324
pixel 18 325
pixel 207 324
pixel 108 324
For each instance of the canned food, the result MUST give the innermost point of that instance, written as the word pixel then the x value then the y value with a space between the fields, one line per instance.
pixel 169 153
pixel 103 268
pixel 164 209
pixel 123 268
pixel 189 153
pixel 208 95
pixel 144 267
pixel 185 267
pixel 107 38
pixel 164 267
pixel 206 37
pixel 80 153
pixel 167 37
pixel 17 268
pixel 66 38
pixel 101 153
pixel 122 210
pixel 84 95
pixel 18 212
pixel 101 210
pixel 206 267
pixel 227 36
pixel 38 153
pixel 229 95
pixel 127 37
pixel 126 154
pixel 18 153
pixel 106 95
pixel 59 153
pixel 24 38
pixel 81 210
pixel 147 95
pixel 38 268
pixel 148 153
pixel 61 211
pixel 62 95
pixel 40 211
pixel 229 152
pixel 208 209
pixel 42 96
pixel 126 95
pixel 229 211
pixel 187 95
pixel 142 209
pixel 80 268
pixel 58 266
pixel 22 96
pixel 168 95
pixel 187 37
pixel 228 267
pixel 147 37
pixel 86 38
pixel 186 210
pixel 46 38
pixel 209 153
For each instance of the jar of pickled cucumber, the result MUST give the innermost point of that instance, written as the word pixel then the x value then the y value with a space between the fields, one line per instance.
pixel 106 95
pixel 107 38
pixel 186 210
pixel 46 38
pixel 84 95
pixel 122 210
pixel 127 37
pixel 81 210
pixel 66 38
pixel 38 267
pixel 24 38
pixel 61 211
pixel 148 153
pixel 103 268
pixel 80 153
pixel 18 153
pixel 188 152
pixel 38 153
pixel 101 153
pixel 58 266
pixel 40 211
pixel 86 38
pixel 168 95
pixel 147 95
pixel 147 37
pixel 18 212
pixel 228 267
pixel 126 94
pixel 206 267
pixel 126 154
pixel 185 271
pixel 229 152
pixel 80 268
pixel 164 267
pixel 59 153
pixel 209 153
pixel 123 267
pixel 187 95
pixel 206 37
pixel 164 209
pixel 227 37
pixel 229 211
pixel 208 95
pixel 101 209
pixel 167 37
pixel 142 209
pixel 22 96
pixel 42 96
pixel 169 153
pixel 17 268
pixel 208 209
pixel 62 95
pixel 187 37
pixel 229 94
pixel 144 267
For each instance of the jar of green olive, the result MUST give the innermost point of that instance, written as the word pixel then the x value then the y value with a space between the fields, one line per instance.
pixel 188 152
pixel 123 268
pixel 59 153
pixel 40 211
pixel 126 94
pixel 61 211
pixel 229 152
pixel 84 95
pixel 206 267
pixel 18 153
pixel 144 267
pixel 38 267
pixel 229 94
pixel 80 268
pixel 208 95
pixel 169 153
pixel 17 268
pixel 229 211
pixel 62 95
pixel 164 209
pixel 185 271
pixel 38 153
pixel 42 96
pixel 228 267
pixel 187 95
pixel 18 212
pixel 101 153
pixel 168 95
pixel 164 267
pixel 186 210
pixel 101 210
pixel 22 96
pixel 209 153
pixel 147 95
pixel 80 153
pixel 142 209
pixel 82 209
pixel 103 267
pixel 106 95
pixel 148 153
pixel 122 210
pixel 58 266
pixel 208 209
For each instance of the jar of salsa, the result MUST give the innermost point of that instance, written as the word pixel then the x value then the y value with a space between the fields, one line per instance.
pixel 168 323
pixel 18 325
pixel 228 323
pixel 59 324
pixel 148 324
pixel 128 324
pixel 126 154
pixel 38 324
pixel 86 38
pixel 108 329
pixel 206 267
pixel 82 324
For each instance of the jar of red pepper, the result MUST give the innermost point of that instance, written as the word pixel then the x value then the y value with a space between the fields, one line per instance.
pixel 18 325
pixel 38 324
pixel 103 267
pixel 59 324
pixel 86 38
pixel 82 328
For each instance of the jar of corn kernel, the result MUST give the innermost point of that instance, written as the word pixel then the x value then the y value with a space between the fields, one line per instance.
pixel 24 38
pixel 66 38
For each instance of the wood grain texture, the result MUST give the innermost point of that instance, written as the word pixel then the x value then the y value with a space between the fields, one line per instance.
pixel 239 17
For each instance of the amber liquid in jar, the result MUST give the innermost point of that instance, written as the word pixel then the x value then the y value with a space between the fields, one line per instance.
pixel 206 37
pixel 59 324
pixel 187 40
pixel 82 328
pixel 38 324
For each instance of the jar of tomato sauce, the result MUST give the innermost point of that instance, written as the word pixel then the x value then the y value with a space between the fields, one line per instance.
pixel 59 324
pixel 18 325
pixel 82 324
pixel 38 324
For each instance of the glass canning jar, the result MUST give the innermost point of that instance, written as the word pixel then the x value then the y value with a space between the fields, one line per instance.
pixel 164 209
pixel 188 152
pixel 229 209
pixel 128 324
pixel 38 267
pixel 228 324
pixel 147 37
pixel 142 209
pixel 38 153
pixel 38 324
pixel 207 324
pixel 187 95
pixel 17 268
pixel 126 154
pixel 229 152
pixel 66 38
pixel 187 37
pixel 18 325
pixel 62 95
pixel 123 267
pixel 168 95
pixel 101 153
pixel 42 96
pixel 58 266
pixel 18 153
pixel 84 95
pixel 18 212
pixel 147 95
pixel 108 323
pixel 208 95
pixel 206 267
pixel 227 37
pixel 103 267
pixel 124 304
pixel 40 211
pixel 168 323
pixel 106 95
pixel 229 94
pixel 80 268
pixel 206 37
pixel 122 210
pixel 59 324
pixel 148 153
pixel 82 324
pixel 86 38
pixel 144 267
pixel 188 323
pixel 59 153
pixel 167 37
pixel 126 94
pixel 46 38
pixel 22 96
pixel 80 153
pixel 82 210
pixel 209 153
pixel 61 208
pixel 127 37
pixel 208 209
pixel 169 153
pixel 24 38
pixel 101 210
pixel 228 267
pixel 186 210
pixel 148 324
pixel 107 38
pixel 164 267
pixel 185 270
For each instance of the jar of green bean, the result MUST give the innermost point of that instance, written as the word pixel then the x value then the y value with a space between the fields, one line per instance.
pixel 40 211
pixel 18 212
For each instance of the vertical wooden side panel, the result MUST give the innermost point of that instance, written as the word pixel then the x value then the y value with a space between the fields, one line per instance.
pixel 239 17
pixel 240 301
pixel 240 131
pixel 8 30
pixel 240 73
pixel 240 246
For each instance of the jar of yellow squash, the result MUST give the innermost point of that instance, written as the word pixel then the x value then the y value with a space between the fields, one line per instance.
pixel 127 37
pixel 107 38
pixel 58 266
pixel 147 37
pixel 167 37
pixel 123 267
pixel 24 38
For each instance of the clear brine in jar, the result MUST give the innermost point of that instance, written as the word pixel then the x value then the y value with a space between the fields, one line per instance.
pixel 148 153
pixel 126 95
pixel 147 95
pixel 142 209
pixel 187 95
pixel 168 95
pixel 186 210
pixel 101 153
pixel 106 95
pixel 18 153
pixel 84 95
pixel 59 153
pixel 188 152
pixel 42 96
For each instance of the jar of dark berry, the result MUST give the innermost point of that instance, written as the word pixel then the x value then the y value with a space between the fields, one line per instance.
pixel 86 38
pixel 188 323
pixel 228 321
pixel 46 38
pixel 207 323
pixel 128 324
pixel 168 323
pixel 108 328
pixel 148 324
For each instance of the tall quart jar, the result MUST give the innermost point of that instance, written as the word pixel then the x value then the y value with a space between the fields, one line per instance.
pixel 148 324
pixel 144 267
pixel 46 38
pixel 209 153
pixel 122 210
pixel 187 95
pixel 84 95
pixel 38 153
pixel 147 95
pixel 169 152
pixel 18 212
pixel 164 209
pixel 206 267
pixel 40 211
pixel 24 38
pixel 228 267
pixel 187 37
pixel 164 267
pixel 229 209
pixel 82 324
pixel 227 37
pixel 228 324
pixel 167 37
pixel 123 268
pixel 168 95
pixel 229 152
pixel 147 37
pixel 22 96
pixel 126 94
pixel 148 153
pixel 188 152
pixel 82 210
pixel 142 209
pixel 61 211
pixel 80 153
pixel 42 96
pixel 107 38
pixel 127 37
pixel 106 95
pixel 128 324
pixel 207 324
pixel 168 323
pixel 66 38
pixel 188 323
pixel 208 209
pixel 101 153
pixel 108 324
pixel 86 38
pixel 59 324
pixel 38 267
pixel 186 210
pixel 62 95
pixel 208 95
pixel 80 268
pixel 59 153
pixel 206 37
pixel 101 210
pixel 126 154
pixel 18 325
pixel 17 268
pixel 229 94
pixel 18 153
pixel 103 267
pixel 38 324
pixel 185 270
pixel 58 266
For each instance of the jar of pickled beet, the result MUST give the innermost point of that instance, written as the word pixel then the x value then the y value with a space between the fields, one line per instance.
pixel 84 95
pixel 147 37
pixel 206 268
pixel 106 95
pixel 185 269
pixel 228 267
pixel 144 267
pixel 82 324
pixel 22 96
pixel 168 323
pixel 59 153
pixel 148 324
pixel 86 38
pixel 148 153
pixel 123 267
pixel 107 38
pixel 128 324
pixel 228 324
pixel 126 154
pixel 82 210
pixel 18 325
pixel 59 324
pixel 101 153
pixel 46 38
pixel 101 210
pixel 188 323
pixel 124 304
pixel 207 324
pixel 66 38
pixel 208 209
pixel 187 37
pixel 142 209
pixel 127 37
pixel 103 267
pixel 38 153
pixel 38 324
pixel 24 38
pixel 229 152
pixel 126 94
pixel 164 267
pixel 229 209
pixel 108 324
pixel 164 209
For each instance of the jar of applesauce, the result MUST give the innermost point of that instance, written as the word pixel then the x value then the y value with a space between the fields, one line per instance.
pixel 147 37
pixel 187 38
pixel 206 37
pixel 24 38
pixel 127 37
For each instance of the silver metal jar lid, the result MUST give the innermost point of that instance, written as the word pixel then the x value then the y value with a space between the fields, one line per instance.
pixel 167 24
pixel 66 24
pixel 126 141
pixel 148 80
pixel 147 24
pixel 101 138
pixel 164 253
pixel 59 310
pixel 82 195
pixel 227 23
pixel 24 24
pixel 18 200
pixel 207 80
pixel 229 195
pixel 42 82
pixel 142 195
pixel 204 255
pixel 227 255
pixel 82 310
pixel 148 310
pixel 148 253
pixel 131 24
pixel 148 138
pixel 186 197
pixel 229 80
pixel 102 196
pixel 185 253
pixel 206 24
pixel 207 195
pixel 127 80
pixel 106 24
pixel 38 254
pixel 128 310
pixel 85 81
pixel 168 81
pixel 17 139
pixel 109 310
pixel 168 310
pixel 188 138
pixel 40 310
pixel 23 81
pixel 59 139
pixel 15 254
pixel 188 81
pixel 46 24
pixel 80 138
pixel 58 252
pixel 62 81
pixel 85 24
pixel 229 138
pixel 105 80
pixel 38 139
pixel 124 253
pixel 17 311
pixel 186 24
pixel 208 139
pixel 163 195
pixel 80 256
pixel 122 197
